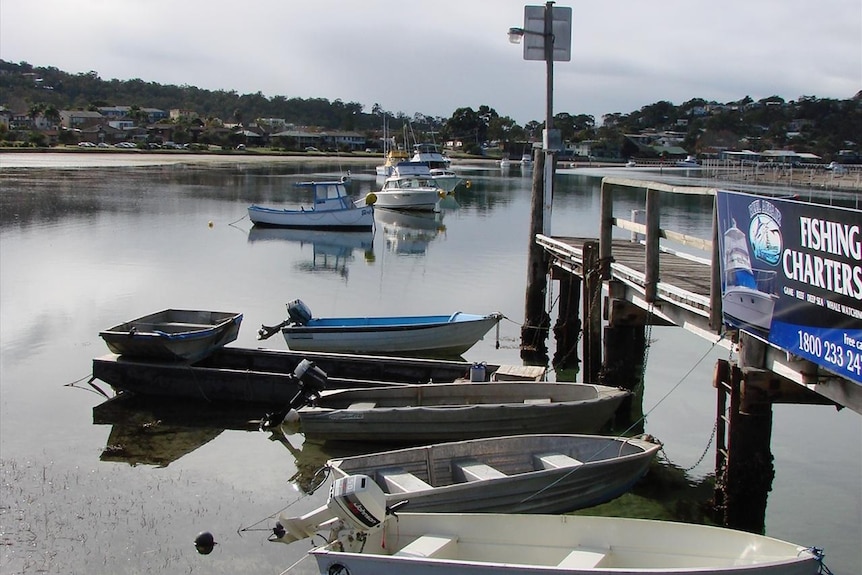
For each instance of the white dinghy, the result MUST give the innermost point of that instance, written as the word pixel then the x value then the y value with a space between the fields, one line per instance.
pixel 364 537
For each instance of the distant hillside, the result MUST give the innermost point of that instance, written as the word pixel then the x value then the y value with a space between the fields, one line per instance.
pixel 808 124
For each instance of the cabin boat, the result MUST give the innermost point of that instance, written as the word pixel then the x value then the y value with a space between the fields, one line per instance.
pixel 410 187
pixel 688 162
pixel 332 209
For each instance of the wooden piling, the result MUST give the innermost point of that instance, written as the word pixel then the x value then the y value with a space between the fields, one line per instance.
pixel 625 348
pixel 567 330
pixel 592 312
pixel 534 332
pixel 744 468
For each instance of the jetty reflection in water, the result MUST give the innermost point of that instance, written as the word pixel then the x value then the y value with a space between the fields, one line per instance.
pixel 409 233
pixel 158 432
pixel 332 251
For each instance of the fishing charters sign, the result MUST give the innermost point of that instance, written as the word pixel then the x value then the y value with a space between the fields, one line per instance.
pixel 791 273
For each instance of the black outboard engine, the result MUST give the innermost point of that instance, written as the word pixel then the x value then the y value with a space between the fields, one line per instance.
pixel 311 380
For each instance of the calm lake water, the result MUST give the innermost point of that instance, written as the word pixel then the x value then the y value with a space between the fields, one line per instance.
pixel 87 244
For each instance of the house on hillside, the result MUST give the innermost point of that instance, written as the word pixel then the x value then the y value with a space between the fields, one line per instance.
pixel 79 118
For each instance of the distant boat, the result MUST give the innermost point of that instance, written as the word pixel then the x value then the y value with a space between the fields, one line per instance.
pixel 332 209
pixel 430 155
pixel 391 159
pixel 526 161
pixel 437 412
pixel 688 162
pixel 504 163
pixel 173 334
pixel 546 473
pixel 428 335
pixel 362 535
pixel 410 187
pixel 392 154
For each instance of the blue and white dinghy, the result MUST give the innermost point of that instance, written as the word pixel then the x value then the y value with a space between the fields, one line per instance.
pixel 424 335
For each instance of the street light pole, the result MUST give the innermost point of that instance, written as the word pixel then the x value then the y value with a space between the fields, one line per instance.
pixel 550 155
pixel 541 33
pixel 549 64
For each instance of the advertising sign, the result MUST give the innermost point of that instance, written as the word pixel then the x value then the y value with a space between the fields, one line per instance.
pixel 791 273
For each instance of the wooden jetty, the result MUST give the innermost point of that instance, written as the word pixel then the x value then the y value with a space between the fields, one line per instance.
pixel 648 284
pixel 632 284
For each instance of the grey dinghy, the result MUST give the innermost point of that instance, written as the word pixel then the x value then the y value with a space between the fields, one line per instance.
pixel 455 411
pixel 513 474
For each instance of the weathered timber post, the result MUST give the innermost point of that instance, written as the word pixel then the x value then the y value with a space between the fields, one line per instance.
pixel 624 351
pixel 651 275
pixel 748 469
pixel 592 312
pixel 534 332
pixel 568 326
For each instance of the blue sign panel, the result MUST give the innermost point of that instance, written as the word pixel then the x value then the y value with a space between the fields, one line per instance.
pixel 791 273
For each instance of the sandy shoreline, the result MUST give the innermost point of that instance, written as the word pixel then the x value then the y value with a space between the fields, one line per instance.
pixel 800 179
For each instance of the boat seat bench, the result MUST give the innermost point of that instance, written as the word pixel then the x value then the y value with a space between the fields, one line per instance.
pixel 472 470
pixel 582 558
pixel 427 546
pixel 554 461
pixel 361 406
pixel 398 480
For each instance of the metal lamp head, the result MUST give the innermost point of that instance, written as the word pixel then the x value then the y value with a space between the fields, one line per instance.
pixel 515 35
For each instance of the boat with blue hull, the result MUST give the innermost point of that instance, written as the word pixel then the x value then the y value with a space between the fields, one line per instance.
pixel 421 335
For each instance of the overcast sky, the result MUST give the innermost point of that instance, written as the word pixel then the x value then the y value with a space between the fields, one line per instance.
pixel 436 56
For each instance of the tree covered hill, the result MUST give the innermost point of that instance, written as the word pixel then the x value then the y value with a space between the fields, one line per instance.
pixel 808 124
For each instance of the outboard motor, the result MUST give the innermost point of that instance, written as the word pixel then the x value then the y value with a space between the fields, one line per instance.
pixel 311 380
pixel 357 501
pixel 298 312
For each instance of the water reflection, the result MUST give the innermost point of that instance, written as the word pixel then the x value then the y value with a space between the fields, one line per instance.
pixel 158 432
pixel 332 251
pixel 409 233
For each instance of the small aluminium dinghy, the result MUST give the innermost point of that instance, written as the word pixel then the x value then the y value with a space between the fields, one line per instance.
pixel 364 536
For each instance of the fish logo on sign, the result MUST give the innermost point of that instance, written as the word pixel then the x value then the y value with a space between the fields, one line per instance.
pixel 764 231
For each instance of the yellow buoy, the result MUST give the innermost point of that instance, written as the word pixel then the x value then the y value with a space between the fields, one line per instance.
pixel 210 224
pixel 468 184
pixel 370 198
